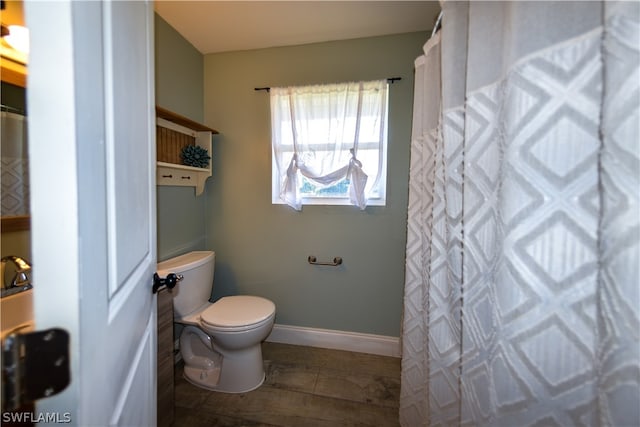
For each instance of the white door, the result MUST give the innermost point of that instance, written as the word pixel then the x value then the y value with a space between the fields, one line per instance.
pixel 92 159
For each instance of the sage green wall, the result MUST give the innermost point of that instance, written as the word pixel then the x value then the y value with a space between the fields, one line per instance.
pixel 179 88
pixel 261 248
pixel 179 72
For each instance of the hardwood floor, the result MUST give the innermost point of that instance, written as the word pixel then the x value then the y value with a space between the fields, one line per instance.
pixel 304 386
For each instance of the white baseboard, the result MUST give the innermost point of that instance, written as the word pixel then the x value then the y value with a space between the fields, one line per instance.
pixel 337 340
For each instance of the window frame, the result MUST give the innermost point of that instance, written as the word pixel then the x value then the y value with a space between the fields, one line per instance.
pixel 377 198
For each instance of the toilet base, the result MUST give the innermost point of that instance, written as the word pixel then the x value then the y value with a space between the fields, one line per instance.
pixel 224 361
pixel 206 378
pixel 210 378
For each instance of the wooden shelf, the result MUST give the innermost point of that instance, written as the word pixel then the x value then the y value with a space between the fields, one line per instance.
pixel 173 133
pixel 182 121
pixel 15 223
pixel 13 72
pixel 182 176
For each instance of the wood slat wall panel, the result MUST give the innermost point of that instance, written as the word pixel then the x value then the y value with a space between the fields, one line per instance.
pixel 165 358
pixel 170 144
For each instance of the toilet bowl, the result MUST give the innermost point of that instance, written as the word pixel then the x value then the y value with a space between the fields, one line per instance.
pixel 221 341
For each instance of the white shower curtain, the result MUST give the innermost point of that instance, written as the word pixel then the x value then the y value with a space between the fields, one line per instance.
pixel 14 164
pixel 522 293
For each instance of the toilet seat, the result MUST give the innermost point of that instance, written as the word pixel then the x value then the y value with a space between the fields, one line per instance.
pixel 238 313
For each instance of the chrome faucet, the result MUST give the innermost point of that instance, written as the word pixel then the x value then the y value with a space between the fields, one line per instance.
pixel 21 280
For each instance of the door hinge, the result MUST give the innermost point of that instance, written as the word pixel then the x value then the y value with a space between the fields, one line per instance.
pixel 34 365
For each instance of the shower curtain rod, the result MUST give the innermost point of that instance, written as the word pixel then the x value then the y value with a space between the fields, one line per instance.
pixel 438 24
pixel 389 80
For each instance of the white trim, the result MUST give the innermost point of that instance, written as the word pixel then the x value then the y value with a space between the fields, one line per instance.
pixel 337 340
pixel 331 201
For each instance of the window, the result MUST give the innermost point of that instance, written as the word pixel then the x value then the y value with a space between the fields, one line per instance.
pixel 329 144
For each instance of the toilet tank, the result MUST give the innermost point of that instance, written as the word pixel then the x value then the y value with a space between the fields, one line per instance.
pixel 194 290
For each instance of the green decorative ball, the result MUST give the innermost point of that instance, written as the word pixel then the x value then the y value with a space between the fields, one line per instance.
pixel 194 155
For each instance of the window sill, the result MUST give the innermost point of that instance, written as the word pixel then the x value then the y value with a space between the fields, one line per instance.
pixel 331 202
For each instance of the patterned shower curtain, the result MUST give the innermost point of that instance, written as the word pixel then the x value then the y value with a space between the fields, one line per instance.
pixel 522 293
pixel 14 164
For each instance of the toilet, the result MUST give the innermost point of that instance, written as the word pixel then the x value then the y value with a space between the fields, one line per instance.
pixel 221 341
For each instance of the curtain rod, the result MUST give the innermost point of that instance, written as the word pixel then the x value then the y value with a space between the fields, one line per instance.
pixel 389 80
pixel 438 24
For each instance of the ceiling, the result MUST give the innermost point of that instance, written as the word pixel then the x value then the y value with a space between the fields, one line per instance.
pixel 220 26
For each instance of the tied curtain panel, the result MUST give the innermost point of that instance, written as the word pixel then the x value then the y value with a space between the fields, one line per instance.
pixel 522 298
pixel 316 133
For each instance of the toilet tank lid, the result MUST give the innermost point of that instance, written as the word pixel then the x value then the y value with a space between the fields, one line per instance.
pixel 184 262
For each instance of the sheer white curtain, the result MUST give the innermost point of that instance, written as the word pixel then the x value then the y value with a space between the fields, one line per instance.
pixel 15 164
pixel 522 293
pixel 316 133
